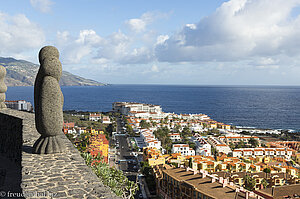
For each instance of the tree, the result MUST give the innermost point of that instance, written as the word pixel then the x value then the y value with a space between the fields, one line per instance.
pixel 130 130
pixel 265 183
pixel 231 145
pixel 144 124
pixel 249 182
pixel 254 143
pixel 111 177
pixel 241 144
pixel 191 162
pixel 267 170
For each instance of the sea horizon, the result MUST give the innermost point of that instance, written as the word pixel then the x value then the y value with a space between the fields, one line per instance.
pixel 274 107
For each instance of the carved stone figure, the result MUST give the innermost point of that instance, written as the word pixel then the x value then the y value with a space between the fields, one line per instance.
pixel 48 103
pixel 3 87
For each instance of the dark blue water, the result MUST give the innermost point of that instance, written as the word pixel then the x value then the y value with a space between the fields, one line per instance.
pixel 276 107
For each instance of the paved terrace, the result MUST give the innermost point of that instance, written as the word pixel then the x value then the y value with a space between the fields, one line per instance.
pixel 41 176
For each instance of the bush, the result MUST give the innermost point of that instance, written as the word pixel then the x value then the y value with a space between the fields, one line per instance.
pixel 111 177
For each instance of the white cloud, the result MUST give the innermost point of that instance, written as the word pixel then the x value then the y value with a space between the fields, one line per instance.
pixel 139 24
pixel 116 48
pixel 161 39
pixel 19 34
pixel 238 30
pixel 191 26
pixel 136 25
pixel 42 5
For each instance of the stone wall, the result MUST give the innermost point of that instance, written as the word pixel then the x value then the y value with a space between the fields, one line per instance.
pixel 11 137
pixel 62 175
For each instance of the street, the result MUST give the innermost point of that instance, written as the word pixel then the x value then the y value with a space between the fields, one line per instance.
pixel 125 159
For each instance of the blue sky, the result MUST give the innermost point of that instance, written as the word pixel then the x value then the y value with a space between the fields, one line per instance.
pixel 207 42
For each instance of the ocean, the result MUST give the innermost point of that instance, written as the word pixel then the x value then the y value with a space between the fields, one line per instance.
pixel 275 107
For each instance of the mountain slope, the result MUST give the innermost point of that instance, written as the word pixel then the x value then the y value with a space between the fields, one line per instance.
pixel 23 73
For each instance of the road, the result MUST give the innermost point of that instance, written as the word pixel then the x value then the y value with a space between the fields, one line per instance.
pixel 127 161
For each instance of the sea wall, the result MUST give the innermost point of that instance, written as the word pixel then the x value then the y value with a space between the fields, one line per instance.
pixel 28 175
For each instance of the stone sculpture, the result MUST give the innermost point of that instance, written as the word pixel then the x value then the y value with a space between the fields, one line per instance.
pixel 3 87
pixel 48 103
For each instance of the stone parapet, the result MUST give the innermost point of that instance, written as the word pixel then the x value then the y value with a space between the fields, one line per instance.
pixel 60 175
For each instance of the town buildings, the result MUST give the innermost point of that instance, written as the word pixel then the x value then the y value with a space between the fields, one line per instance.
pixel 177 183
pixel 138 109
pixel 219 145
pixel 149 139
pixel 99 145
pixel 237 138
pixel 273 152
pixel 183 149
pixel 175 137
pixel 153 156
pixel 94 116
pixel 202 146
pixel 189 173
pixel 20 105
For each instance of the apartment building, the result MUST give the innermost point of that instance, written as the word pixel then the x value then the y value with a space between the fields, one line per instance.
pixel 175 137
pixel 178 183
pixel 106 120
pixel 202 146
pixel 272 179
pixel 272 152
pixel 183 149
pixel 236 138
pixel 20 105
pixel 95 116
pixel 99 144
pixel 219 145
pixel 288 191
pixel 153 156
pixel 149 139
pixel 126 107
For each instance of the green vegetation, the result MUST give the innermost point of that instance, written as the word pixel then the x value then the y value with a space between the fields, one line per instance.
pixel 185 133
pixel 214 132
pixel 84 122
pixel 147 171
pixel 253 142
pixel 267 170
pixel 241 144
pixel 82 142
pixel 145 125
pixel 249 182
pixel 163 135
pixel 265 183
pixel 111 177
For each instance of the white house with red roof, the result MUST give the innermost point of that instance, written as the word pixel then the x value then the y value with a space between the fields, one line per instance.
pixel 183 149
pixel 272 152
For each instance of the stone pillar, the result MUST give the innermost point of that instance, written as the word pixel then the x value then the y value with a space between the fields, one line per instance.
pixel 3 87
pixel 48 103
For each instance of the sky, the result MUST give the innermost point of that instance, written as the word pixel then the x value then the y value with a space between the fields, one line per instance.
pixel 195 42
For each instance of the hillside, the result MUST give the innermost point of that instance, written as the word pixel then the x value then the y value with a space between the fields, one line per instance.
pixel 23 73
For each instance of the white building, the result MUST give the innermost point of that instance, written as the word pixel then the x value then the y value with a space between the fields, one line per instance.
pixel 126 107
pixel 196 127
pixel 202 146
pixel 149 139
pixel 95 116
pixel 175 137
pixel 219 145
pixel 20 105
pixel 106 120
pixel 183 149
pixel 272 152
